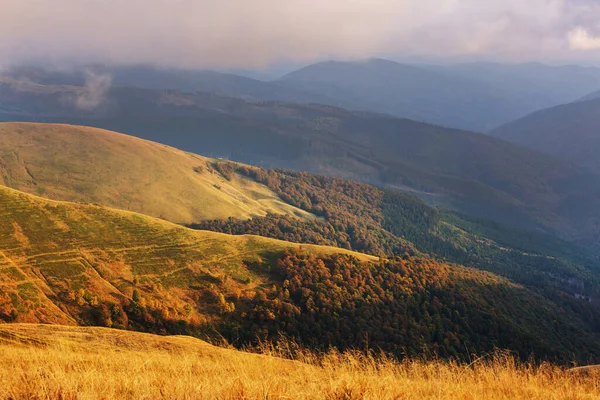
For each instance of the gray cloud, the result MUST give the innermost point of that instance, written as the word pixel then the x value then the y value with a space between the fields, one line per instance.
pixel 242 33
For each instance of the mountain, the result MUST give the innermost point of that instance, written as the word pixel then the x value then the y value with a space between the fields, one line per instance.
pixel 187 81
pixel 569 131
pixel 469 96
pixel 476 96
pixel 404 90
pixel 533 86
pixel 88 265
pixel 75 163
pixel 90 165
pixel 591 96
pixel 471 172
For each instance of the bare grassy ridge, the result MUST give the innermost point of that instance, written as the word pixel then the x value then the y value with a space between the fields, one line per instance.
pixel 76 163
pixel 57 362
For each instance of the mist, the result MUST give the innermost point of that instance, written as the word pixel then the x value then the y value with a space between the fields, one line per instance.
pixel 94 91
pixel 257 34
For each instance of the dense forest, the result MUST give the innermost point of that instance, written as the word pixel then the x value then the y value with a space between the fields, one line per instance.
pixel 404 306
pixel 377 221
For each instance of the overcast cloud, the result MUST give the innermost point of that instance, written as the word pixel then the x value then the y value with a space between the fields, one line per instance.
pixel 246 33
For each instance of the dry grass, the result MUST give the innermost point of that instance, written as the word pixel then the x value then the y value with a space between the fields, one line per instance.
pixel 53 362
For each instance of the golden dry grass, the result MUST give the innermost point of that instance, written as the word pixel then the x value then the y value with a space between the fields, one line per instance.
pixel 54 362
pixel 83 164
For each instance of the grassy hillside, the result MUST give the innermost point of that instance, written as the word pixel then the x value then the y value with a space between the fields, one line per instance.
pixel 100 363
pixel 56 257
pixel 82 164
pixel 569 131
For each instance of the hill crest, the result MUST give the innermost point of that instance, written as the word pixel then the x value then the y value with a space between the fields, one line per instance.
pixel 91 165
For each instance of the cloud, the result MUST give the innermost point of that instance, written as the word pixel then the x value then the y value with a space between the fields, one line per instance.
pixel 94 91
pixel 243 33
pixel 581 39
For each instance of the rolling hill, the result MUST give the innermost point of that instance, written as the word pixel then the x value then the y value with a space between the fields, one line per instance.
pixel 49 249
pixel 75 163
pixel 88 265
pixel 570 131
pixel 97 363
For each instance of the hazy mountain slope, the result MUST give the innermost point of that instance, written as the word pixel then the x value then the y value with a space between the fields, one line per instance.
pixel 533 86
pixel 469 96
pixel 188 81
pixel 91 165
pixel 570 131
pixel 406 91
pixel 84 264
pixel 471 172
pixel 476 96
pixel 591 96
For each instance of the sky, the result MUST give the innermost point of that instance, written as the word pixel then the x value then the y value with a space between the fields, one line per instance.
pixel 257 34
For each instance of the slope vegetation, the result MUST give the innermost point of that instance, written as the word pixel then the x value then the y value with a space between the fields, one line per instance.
pixel 75 163
pixel 100 363
pixel 88 265
pixel 49 251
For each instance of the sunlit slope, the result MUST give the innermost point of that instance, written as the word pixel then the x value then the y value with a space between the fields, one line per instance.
pixel 52 362
pixel 83 164
pixel 55 255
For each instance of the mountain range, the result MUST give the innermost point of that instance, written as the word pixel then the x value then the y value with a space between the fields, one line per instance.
pixel 77 263
pixel 237 209
pixel 474 96
pixel 470 172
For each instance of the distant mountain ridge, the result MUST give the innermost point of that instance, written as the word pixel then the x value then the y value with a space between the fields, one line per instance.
pixel 473 96
pixel 591 96
pixel 570 131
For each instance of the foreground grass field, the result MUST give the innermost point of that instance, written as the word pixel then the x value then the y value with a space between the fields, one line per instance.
pixel 59 362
